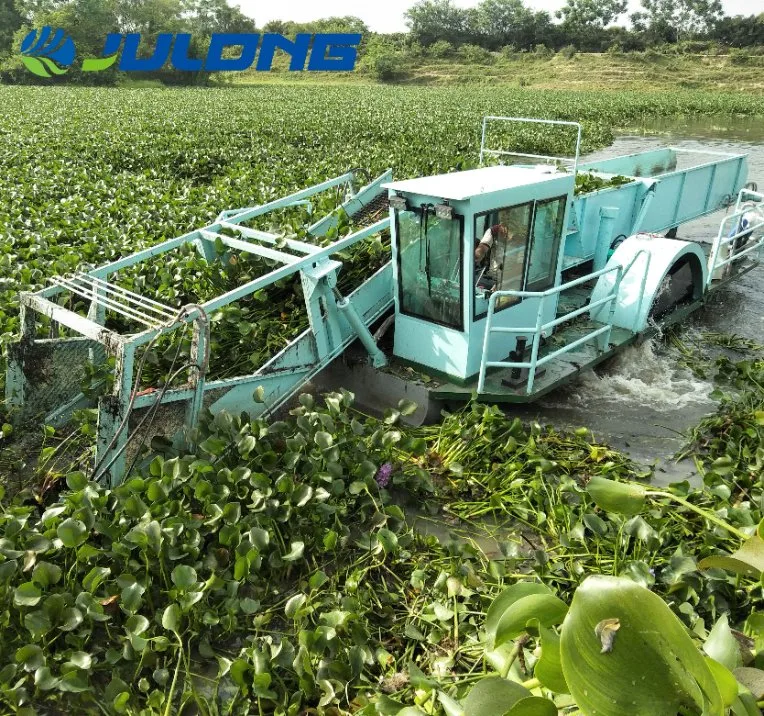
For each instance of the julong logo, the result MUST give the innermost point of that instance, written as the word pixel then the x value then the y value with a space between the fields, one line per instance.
pixel 48 52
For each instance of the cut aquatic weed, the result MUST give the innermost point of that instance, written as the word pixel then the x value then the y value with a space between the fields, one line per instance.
pixel 273 568
pixel 270 567
pixel 535 482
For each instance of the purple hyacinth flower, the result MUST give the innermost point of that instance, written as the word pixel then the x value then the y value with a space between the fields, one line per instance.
pixel 383 474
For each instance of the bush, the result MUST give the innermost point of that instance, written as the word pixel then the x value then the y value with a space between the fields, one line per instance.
pixel 739 56
pixel 509 52
pixel 568 52
pixel 543 51
pixel 386 66
pixel 474 54
pixel 441 49
pixel 651 54
pixel 415 51
pixel 615 49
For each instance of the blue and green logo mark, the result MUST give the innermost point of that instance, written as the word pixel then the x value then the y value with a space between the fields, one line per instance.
pixel 48 53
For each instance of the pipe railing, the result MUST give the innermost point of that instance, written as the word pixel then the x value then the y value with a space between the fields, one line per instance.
pixel 501 152
pixel 540 327
pixel 723 238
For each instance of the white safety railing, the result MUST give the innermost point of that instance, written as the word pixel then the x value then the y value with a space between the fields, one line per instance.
pixel 540 328
pixel 502 152
pixel 731 231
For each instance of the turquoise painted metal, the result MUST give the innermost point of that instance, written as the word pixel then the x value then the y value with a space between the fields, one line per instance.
pixel 590 248
pixel 562 281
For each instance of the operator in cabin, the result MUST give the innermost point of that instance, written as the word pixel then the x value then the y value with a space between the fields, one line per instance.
pixel 489 256
pixel 488 262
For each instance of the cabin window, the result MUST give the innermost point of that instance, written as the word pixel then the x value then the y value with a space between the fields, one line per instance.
pixel 430 266
pixel 545 243
pixel 503 266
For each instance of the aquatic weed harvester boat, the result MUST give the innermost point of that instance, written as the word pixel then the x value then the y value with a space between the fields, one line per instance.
pixel 587 260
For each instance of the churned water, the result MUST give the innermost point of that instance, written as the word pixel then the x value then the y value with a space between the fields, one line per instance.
pixel 646 375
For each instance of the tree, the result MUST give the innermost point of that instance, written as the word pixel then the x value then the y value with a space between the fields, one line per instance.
pixel 577 14
pixel 739 31
pixel 208 16
pixel 496 23
pixel 682 18
pixel 10 21
pixel 433 20
pixel 149 17
pixel 87 22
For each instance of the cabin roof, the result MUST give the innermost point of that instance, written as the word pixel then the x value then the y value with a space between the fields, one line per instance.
pixel 458 186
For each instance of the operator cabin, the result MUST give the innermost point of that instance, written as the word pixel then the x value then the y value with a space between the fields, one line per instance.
pixel 456 238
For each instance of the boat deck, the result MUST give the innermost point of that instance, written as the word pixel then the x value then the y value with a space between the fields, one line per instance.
pixel 499 386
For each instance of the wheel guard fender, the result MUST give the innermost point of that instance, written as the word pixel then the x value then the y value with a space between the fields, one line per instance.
pixel 643 280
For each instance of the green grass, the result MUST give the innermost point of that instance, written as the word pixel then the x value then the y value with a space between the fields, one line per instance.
pixel 584 71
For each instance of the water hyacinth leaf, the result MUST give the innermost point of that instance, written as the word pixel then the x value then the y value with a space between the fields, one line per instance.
pixel 595 524
pixel 27 595
pixel 747 561
pixel 407 407
pixel 137 624
pixel 44 679
pixel 625 498
pixel 418 679
pixel 72 532
pixel 450 706
pixel 38 623
pixel 183 576
pixel 259 537
pixel 533 706
pixel 745 705
pixel 132 596
pixel 73 682
pixel 493 696
pixel 249 605
pixel 725 681
pixel 171 618
pixel 652 647
pixel 722 646
pixel 723 466
pixel 324 440
pixel 388 540
pixel 548 669
pixel 76 481
pixel 30 657
pixel 506 599
pixel 640 573
pixel 294 605
pixel 543 609
pixel 71 618
pixel 81 659
pixel 318 579
pixel 295 552
pixel 94 578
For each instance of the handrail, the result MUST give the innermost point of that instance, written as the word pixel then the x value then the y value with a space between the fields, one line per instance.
pixel 723 240
pixel 540 327
pixel 495 152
